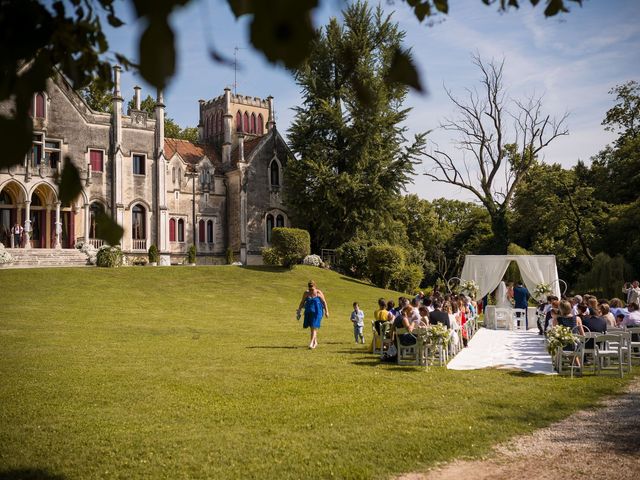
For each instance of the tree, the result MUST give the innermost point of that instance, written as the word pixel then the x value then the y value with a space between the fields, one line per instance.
pixel 171 128
pixel 351 162
pixel 494 158
pixel 98 95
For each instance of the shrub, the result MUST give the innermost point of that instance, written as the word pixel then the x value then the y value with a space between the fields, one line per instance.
pixel 291 244
pixel 351 258
pixel 109 257
pixel 5 257
pixel 383 262
pixel 270 256
pixel 191 254
pixel 153 254
pixel 312 260
pixel 407 278
pixel 230 258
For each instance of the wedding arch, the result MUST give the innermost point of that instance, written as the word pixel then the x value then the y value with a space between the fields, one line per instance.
pixel 487 271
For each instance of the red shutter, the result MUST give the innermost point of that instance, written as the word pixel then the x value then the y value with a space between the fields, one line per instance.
pixel 172 230
pixel 96 159
pixel 201 231
pixel 260 125
pixel 239 122
pixel 39 105
pixel 246 122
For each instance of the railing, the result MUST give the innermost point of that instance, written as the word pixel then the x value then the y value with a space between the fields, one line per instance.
pixel 139 244
pixel 96 242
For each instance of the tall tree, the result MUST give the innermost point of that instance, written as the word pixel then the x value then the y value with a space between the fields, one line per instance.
pixel 351 158
pixel 98 95
pixel 494 156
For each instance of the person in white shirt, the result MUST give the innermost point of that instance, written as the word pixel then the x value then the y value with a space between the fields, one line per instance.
pixel 575 301
pixel 633 292
pixel 17 235
pixel 357 317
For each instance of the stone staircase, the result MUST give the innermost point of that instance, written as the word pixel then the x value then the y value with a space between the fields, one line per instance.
pixel 46 257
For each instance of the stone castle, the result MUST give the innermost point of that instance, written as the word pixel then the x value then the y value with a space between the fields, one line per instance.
pixel 223 192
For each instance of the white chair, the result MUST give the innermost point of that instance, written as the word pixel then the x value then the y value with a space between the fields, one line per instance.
pixel 634 344
pixel 610 353
pixel 519 318
pixel 407 354
pixel 503 320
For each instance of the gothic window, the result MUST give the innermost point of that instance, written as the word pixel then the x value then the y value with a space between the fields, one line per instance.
pixel 279 221
pixel 172 229
pixel 201 231
pixel 51 153
pixel 138 164
pixel 181 230
pixel 246 122
pixel 95 210
pixel 173 175
pixel 274 169
pixel 253 123
pixel 40 105
pixel 179 176
pixel 36 201
pixel 269 227
pixel 138 223
pixel 96 159
pixel 5 198
pixel 238 121
pixel 220 122
pixel 260 124
pixel 36 150
pixel 209 231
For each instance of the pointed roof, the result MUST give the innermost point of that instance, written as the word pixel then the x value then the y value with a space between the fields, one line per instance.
pixel 190 152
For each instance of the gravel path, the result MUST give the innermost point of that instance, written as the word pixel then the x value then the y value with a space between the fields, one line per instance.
pixel 604 442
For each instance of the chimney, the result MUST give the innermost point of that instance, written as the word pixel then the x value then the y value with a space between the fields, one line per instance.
pixel 136 97
pixel 228 117
pixel 159 122
pixel 271 121
pixel 241 147
pixel 117 108
pixel 200 122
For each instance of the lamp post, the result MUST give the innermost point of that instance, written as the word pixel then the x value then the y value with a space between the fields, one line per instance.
pixel 192 172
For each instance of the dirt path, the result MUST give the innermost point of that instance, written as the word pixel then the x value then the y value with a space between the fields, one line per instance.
pixel 604 442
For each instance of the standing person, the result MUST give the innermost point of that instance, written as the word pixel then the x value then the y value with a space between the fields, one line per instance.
pixel 521 297
pixel 17 234
pixel 633 292
pixel 315 307
pixel 357 317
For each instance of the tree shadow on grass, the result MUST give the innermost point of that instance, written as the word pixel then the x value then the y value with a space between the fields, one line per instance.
pixel 30 474
pixel 266 268
pixel 355 280
pixel 278 347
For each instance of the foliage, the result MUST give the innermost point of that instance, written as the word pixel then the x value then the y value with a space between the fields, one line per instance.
pixel 171 128
pixel 291 244
pixel 312 261
pixel 153 254
pixel 438 334
pixel 605 276
pixel 229 256
pixel 98 95
pixel 139 261
pixel 513 274
pixel 344 178
pixel 541 291
pixel 109 257
pixel 384 261
pixel 558 337
pixel 469 287
pixel 270 256
pixel 407 278
pixel 89 250
pixel 5 257
pixel 493 149
pixel 351 258
pixel 191 254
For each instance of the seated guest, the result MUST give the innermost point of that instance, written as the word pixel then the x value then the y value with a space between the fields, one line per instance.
pixel 438 316
pixel 607 315
pixel 592 303
pixel 427 302
pixel 619 319
pixel 564 317
pixel 402 321
pixel 633 318
pixel 380 315
pixel 616 306
pixel 593 322
pixel 575 301
pixel 424 315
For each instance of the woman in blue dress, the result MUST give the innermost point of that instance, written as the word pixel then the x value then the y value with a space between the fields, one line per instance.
pixel 315 307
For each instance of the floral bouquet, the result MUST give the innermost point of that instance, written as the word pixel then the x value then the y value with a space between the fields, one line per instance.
pixel 469 287
pixel 438 334
pixel 559 337
pixel 542 290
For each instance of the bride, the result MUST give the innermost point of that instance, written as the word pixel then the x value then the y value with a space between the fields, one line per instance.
pixel 502 299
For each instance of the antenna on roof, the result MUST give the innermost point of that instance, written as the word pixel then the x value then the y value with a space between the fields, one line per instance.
pixel 235 69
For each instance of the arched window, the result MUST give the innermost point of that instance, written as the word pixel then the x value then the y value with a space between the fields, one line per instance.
pixel 238 121
pixel 172 229
pixel 36 201
pixel 246 122
pixel 181 230
pixel 279 221
pixel 40 105
pixel 138 223
pixel 179 176
pixel 173 175
pixel 95 210
pixel 209 231
pixel 5 198
pixel 260 130
pixel 275 173
pixel 201 231
pixel 253 123
pixel 269 227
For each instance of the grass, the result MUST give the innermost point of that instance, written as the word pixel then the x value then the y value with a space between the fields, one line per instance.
pixel 204 373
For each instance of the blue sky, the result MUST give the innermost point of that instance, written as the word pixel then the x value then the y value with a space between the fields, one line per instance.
pixel 572 60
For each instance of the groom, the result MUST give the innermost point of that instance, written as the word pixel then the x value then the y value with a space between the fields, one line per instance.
pixel 521 297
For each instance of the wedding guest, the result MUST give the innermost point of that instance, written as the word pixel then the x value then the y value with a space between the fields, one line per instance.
pixel 607 315
pixel 575 301
pixel 357 318
pixel 633 292
pixel 380 315
pixel 439 316
pixel 633 318
pixel 565 318
pixel 402 321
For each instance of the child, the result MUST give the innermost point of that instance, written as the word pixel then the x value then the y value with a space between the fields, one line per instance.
pixel 357 317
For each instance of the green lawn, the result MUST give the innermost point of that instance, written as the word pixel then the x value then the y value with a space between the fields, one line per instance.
pixel 204 373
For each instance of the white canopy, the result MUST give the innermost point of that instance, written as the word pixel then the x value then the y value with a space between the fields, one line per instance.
pixel 487 271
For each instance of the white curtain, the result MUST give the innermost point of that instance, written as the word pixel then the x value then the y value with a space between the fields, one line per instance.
pixel 487 271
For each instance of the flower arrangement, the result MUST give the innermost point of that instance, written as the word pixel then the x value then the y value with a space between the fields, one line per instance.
pixel 559 337
pixel 438 334
pixel 542 290
pixel 5 257
pixel 469 287
pixel 312 260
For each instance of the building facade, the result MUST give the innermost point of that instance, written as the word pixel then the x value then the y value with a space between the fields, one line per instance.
pixel 223 192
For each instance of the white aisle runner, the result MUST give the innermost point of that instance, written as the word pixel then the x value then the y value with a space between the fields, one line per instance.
pixel 515 349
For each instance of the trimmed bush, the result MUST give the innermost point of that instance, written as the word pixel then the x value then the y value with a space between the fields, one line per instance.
pixel 153 254
pixel 351 258
pixel 109 257
pixel 312 260
pixel 407 279
pixel 270 256
pixel 191 254
pixel 384 261
pixel 291 244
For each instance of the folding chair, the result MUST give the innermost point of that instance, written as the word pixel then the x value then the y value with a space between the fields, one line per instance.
pixel 610 352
